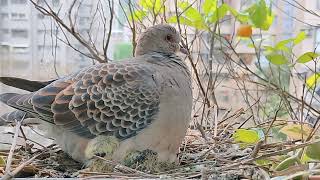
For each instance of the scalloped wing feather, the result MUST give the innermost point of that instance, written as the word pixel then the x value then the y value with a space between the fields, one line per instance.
pixel 106 99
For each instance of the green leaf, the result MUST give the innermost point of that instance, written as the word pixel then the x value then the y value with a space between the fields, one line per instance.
pixel 246 136
pixel 258 13
pixel 219 13
pixel 209 6
pixel 277 135
pixel 250 45
pixel 277 59
pixel 306 57
pixel 285 164
pixel 182 20
pixel 243 18
pixel 155 6
pixel 300 37
pixel 2 161
pixel 305 159
pixel 270 49
pixel 138 15
pixel 188 22
pixel 282 45
pixel 192 16
pixel 296 131
pixel 263 162
pixel 312 151
pixel 313 80
pixel 190 12
pixel 268 22
pixel 146 4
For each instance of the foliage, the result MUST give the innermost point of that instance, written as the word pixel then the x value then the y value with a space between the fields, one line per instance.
pixel 147 7
pixel 282 51
pixel 306 57
pixel 296 131
pixel 312 151
pixel 248 136
pixel 280 60
pixel 260 15
pixel 313 80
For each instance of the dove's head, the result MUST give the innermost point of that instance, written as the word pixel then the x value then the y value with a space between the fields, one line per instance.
pixel 159 38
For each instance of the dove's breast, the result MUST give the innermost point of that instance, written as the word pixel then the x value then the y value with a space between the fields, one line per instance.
pixel 167 131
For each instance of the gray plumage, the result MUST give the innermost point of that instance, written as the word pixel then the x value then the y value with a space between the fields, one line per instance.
pixel 121 99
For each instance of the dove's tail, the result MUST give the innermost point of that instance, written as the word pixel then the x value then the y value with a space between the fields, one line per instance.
pixel 17 101
pixel 24 83
pixel 13 116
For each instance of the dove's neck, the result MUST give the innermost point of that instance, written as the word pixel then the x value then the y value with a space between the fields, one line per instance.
pixel 167 59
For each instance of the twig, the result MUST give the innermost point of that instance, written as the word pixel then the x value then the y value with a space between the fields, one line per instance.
pixel 13 146
pixel 284 151
pixel 10 175
pixel 270 125
pixel 256 149
pixel 125 168
pixel 203 134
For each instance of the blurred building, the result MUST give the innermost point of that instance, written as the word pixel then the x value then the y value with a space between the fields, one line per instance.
pixel 28 47
pixel 28 43
pixel 288 22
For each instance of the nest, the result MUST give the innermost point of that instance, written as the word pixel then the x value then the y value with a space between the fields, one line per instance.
pixel 202 155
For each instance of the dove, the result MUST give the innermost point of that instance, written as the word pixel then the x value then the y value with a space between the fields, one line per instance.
pixel 135 104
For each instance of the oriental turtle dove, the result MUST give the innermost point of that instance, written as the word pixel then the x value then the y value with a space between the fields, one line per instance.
pixel 143 102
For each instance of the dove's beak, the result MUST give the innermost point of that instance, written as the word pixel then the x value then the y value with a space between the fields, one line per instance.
pixel 183 50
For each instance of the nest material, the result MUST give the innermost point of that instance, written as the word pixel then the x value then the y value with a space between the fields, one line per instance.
pixel 199 158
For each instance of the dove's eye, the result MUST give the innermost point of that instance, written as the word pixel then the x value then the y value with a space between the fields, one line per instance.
pixel 169 38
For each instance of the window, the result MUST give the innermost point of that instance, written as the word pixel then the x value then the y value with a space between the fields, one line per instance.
pixel 4 35
pixel 14 15
pixel 47 31
pixel 317 40
pixel 85 8
pixel 40 16
pixel 318 5
pixel 19 1
pixel 4 48
pixel 4 31
pixel 22 16
pixel 3 2
pixel 48 47
pixel 4 15
pixel 84 20
pixel 18 16
pixel 20 49
pixel 55 2
pixel 20 33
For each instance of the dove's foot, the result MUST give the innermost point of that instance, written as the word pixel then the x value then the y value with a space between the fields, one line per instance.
pixel 103 164
pixel 146 161
pixel 101 150
pixel 103 146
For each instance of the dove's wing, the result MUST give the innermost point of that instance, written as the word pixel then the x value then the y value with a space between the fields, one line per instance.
pixel 24 84
pixel 116 99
